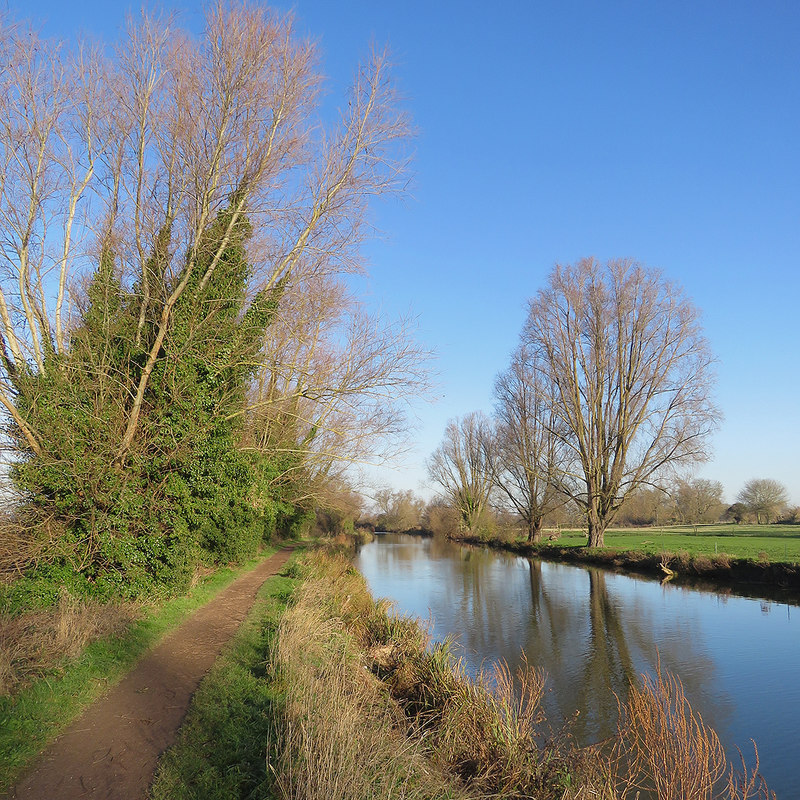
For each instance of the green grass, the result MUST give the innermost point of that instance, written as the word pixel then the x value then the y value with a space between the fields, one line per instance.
pixel 778 543
pixel 221 749
pixel 30 719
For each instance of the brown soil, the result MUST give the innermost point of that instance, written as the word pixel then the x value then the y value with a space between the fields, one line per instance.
pixel 112 749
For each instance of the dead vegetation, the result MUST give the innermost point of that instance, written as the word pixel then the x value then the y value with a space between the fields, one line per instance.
pixel 338 735
pixel 663 749
pixel 36 643
pixel 373 710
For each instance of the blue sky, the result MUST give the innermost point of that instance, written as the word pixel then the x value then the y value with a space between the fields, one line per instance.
pixel 548 131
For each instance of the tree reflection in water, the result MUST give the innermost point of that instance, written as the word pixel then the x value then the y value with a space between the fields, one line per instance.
pixel 593 632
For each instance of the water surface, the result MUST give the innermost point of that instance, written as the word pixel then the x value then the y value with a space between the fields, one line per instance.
pixel 594 631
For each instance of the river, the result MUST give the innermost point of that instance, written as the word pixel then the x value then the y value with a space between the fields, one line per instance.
pixel 593 631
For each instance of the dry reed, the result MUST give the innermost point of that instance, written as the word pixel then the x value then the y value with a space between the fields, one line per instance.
pixel 37 642
pixel 339 736
pixel 664 750
pixel 664 744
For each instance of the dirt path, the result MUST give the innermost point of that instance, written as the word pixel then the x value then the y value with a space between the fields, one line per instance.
pixel 112 749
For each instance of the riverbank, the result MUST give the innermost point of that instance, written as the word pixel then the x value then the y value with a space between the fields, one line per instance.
pixel 334 675
pixel 321 674
pixel 752 578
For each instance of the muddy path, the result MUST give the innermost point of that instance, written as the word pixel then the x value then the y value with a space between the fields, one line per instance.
pixel 112 749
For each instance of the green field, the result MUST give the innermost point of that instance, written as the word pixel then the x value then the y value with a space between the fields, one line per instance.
pixel 757 542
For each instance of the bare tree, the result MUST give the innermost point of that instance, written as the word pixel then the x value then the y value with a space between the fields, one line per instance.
pixel 698 500
pixel 631 371
pixel 645 506
pixel 134 155
pixel 461 466
pixel 764 497
pixel 529 456
pixel 334 383
pixel 399 510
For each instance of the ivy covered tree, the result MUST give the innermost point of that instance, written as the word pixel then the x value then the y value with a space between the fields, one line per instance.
pixel 187 490
pixel 160 209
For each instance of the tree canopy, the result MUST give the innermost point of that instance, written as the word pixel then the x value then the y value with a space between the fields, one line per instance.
pixel 177 224
pixel 763 497
pixel 460 466
pixel 629 375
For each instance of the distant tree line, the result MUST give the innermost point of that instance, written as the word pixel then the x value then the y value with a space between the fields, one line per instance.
pixel 700 501
pixel 683 501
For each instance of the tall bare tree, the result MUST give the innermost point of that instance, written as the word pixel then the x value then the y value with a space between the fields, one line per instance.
pixel 764 497
pixel 461 466
pixel 632 379
pixel 529 456
pixel 646 506
pixel 159 204
pixel 135 154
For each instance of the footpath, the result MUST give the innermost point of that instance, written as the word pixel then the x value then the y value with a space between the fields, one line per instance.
pixel 112 749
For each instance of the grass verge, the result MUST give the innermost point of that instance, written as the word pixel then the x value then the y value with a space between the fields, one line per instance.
pixel 32 717
pixel 773 543
pixel 290 712
pixel 329 696
pixel 695 560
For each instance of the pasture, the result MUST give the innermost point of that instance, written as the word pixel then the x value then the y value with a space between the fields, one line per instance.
pixel 756 542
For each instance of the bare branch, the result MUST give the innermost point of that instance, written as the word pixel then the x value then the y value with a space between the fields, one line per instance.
pixel 631 376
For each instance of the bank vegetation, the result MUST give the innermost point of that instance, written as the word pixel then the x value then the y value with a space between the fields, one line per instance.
pixel 364 705
pixel 186 370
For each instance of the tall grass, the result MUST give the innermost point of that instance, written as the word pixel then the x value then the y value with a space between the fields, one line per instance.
pixel 37 643
pixel 373 711
pixel 339 736
pixel 359 680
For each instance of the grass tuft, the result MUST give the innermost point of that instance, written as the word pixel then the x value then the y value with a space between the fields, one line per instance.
pixel 41 642
pixel 35 714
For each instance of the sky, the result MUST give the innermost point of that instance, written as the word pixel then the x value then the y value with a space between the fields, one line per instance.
pixel 548 131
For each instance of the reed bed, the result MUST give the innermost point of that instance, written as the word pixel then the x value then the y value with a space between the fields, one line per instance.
pixel 373 710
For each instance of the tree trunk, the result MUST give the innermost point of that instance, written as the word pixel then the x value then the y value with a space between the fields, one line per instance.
pixel 597 530
pixel 535 530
